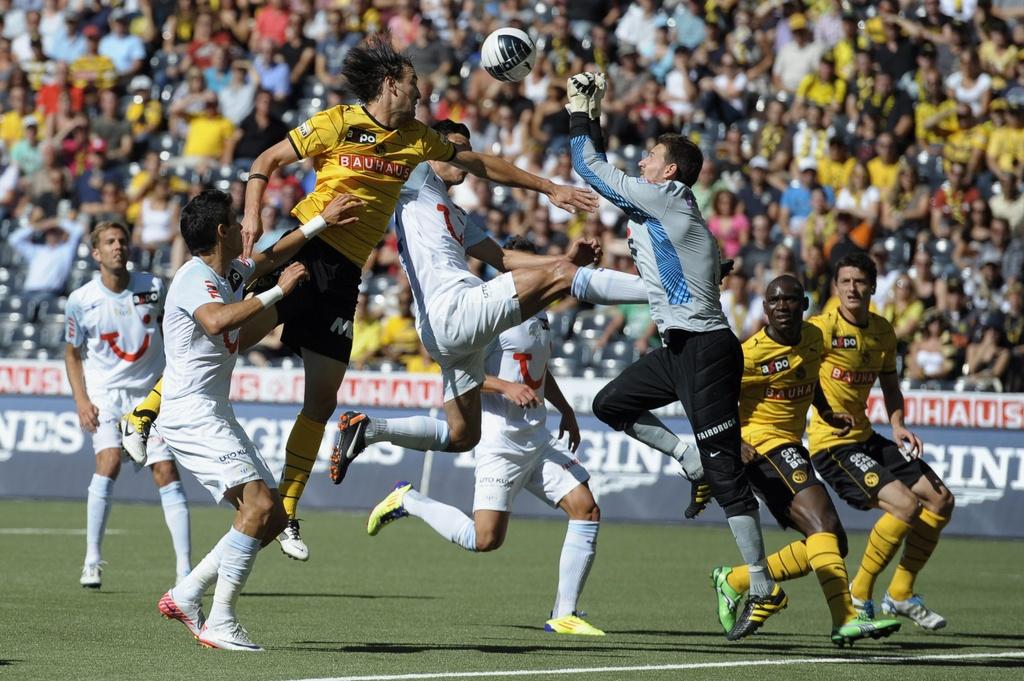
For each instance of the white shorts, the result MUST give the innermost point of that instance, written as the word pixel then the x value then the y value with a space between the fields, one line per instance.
pixel 208 441
pixel 113 404
pixel 549 472
pixel 461 324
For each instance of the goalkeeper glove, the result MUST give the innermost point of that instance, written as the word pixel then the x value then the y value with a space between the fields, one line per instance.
pixel 595 99
pixel 580 88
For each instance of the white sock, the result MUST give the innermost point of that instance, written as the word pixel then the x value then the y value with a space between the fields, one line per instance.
pixel 236 561
pixel 421 433
pixel 192 588
pixel 746 529
pixel 97 510
pixel 578 552
pixel 607 287
pixel 172 498
pixel 447 521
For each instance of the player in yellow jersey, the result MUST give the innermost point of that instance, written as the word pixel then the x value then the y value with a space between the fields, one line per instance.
pixel 780 380
pixel 368 151
pixel 866 469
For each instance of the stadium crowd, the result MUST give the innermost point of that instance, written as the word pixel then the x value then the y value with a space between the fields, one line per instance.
pixel 892 127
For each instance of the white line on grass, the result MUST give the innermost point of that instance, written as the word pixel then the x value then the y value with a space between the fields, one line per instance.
pixel 50 530
pixel 672 667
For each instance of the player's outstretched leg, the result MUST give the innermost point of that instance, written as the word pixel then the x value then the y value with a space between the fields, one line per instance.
pixel 389 509
pixel 135 424
pixel 356 430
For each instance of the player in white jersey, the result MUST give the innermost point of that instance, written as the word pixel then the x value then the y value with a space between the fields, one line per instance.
pixel 114 354
pixel 517 451
pixel 458 314
pixel 203 330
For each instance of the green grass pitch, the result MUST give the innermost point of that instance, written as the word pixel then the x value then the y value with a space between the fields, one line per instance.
pixel 408 603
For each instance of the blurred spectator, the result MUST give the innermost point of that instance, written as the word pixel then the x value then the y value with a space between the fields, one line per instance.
pixel 124 50
pixel 144 114
pixel 432 57
pixel 723 95
pixel 331 51
pixel 260 130
pixel 640 20
pixel 93 68
pixel 798 58
pixel 951 204
pixel 823 88
pixel 860 197
pixel 208 138
pixel 903 310
pixel 239 94
pixel 49 93
pixel 111 127
pixel 1008 204
pixel 26 152
pixel 755 256
pixel 795 204
pixel 728 224
pixel 970 85
pixel 298 51
pixel 48 247
pixel 366 334
pixel 987 358
pixel 1005 152
pixel 905 207
pixel 743 310
pixel 883 168
pixel 930 357
pixel 271 23
pixel 273 71
pixel 21 43
pixel 1013 330
pixel 157 223
pixel 67 43
pixel 398 337
pixel 12 123
pixel 811 142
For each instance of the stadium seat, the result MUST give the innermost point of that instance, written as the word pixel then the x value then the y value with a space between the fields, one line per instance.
pixel 9 324
pixel 590 324
pixel 51 333
pixel 560 324
pixel 619 351
pixel 15 304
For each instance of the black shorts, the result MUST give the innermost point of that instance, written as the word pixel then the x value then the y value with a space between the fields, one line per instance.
pixel 318 314
pixel 858 471
pixel 779 475
pixel 703 371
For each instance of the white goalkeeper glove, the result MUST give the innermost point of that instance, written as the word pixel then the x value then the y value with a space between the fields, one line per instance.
pixel 595 99
pixel 580 88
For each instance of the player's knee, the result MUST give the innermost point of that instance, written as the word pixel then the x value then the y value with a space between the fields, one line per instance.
pixel 260 511
pixel 585 510
pixel 164 473
pixel 944 503
pixel 108 463
pixel 604 410
pixel 906 507
pixel 488 541
pixel 463 439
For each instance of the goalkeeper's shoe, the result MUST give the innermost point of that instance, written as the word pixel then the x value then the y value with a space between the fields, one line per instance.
pixel 700 497
pixel 571 624
pixel 189 614
pixel 728 598
pixel 135 427
pixel 291 541
pixel 756 611
pixel 350 443
pixel 389 509
pixel 865 609
pixel 859 628
pixel 914 609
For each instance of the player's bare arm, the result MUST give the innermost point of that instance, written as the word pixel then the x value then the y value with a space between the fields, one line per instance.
pixel 568 423
pixel 277 156
pixel 501 171
pixel 909 442
pixel 582 252
pixel 334 214
pixel 217 318
pixel 842 421
pixel 518 394
pixel 88 413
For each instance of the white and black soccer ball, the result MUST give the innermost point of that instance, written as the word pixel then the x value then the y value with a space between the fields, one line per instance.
pixel 508 54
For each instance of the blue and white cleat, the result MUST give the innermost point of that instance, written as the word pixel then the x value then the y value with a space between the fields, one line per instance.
pixel 915 610
pixel 389 509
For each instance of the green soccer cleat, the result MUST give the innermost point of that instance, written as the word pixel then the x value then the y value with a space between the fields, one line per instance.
pixel 757 610
pixel 571 624
pixel 389 509
pixel 728 597
pixel 862 627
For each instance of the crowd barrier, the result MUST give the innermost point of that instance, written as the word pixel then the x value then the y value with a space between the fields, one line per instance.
pixel 974 441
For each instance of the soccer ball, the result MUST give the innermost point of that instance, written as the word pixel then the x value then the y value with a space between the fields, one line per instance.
pixel 508 54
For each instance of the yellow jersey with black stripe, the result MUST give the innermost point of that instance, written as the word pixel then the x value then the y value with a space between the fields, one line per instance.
pixel 778 388
pixel 854 358
pixel 354 153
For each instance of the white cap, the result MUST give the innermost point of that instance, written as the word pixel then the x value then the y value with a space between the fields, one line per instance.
pixel 807 164
pixel 141 83
pixel 759 162
pixel 29 121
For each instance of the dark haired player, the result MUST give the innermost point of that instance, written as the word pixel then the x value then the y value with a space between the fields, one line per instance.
pixel 780 380
pixel 700 363
pixel 368 150
pixel 866 469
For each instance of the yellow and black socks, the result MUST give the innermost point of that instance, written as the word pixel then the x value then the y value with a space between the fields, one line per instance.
pixel 300 455
pixel 789 562
pixel 146 411
pixel 824 556
pixel 883 543
pixel 919 547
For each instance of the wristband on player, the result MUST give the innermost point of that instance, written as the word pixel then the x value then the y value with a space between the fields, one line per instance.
pixel 313 227
pixel 258 176
pixel 270 296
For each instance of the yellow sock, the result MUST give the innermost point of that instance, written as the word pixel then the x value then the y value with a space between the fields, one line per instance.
pixel 918 549
pixel 146 411
pixel 883 543
pixel 300 455
pixel 823 555
pixel 789 562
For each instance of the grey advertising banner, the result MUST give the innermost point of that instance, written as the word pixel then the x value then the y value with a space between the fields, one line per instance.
pixel 44 454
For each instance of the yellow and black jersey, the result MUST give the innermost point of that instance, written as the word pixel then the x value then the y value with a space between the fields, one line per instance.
pixel 778 387
pixel 854 357
pixel 354 153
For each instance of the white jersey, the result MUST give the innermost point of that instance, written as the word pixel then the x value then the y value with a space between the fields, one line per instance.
pixel 119 333
pixel 433 235
pixel 518 355
pixel 198 364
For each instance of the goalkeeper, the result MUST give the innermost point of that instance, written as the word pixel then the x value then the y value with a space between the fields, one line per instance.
pixel 700 363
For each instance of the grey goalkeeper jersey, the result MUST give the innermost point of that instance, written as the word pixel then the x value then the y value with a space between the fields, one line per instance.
pixel 674 251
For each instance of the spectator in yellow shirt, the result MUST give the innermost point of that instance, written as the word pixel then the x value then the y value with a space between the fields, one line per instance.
pixel 92 68
pixel 823 88
pixel 834 168
pixel 366 330
pixel 398 336
pixel 1006 145
pixel 144 114
pixel 935 114
pixel 967 145
pixel 208 135
pixel 884 167
pixel 12 128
